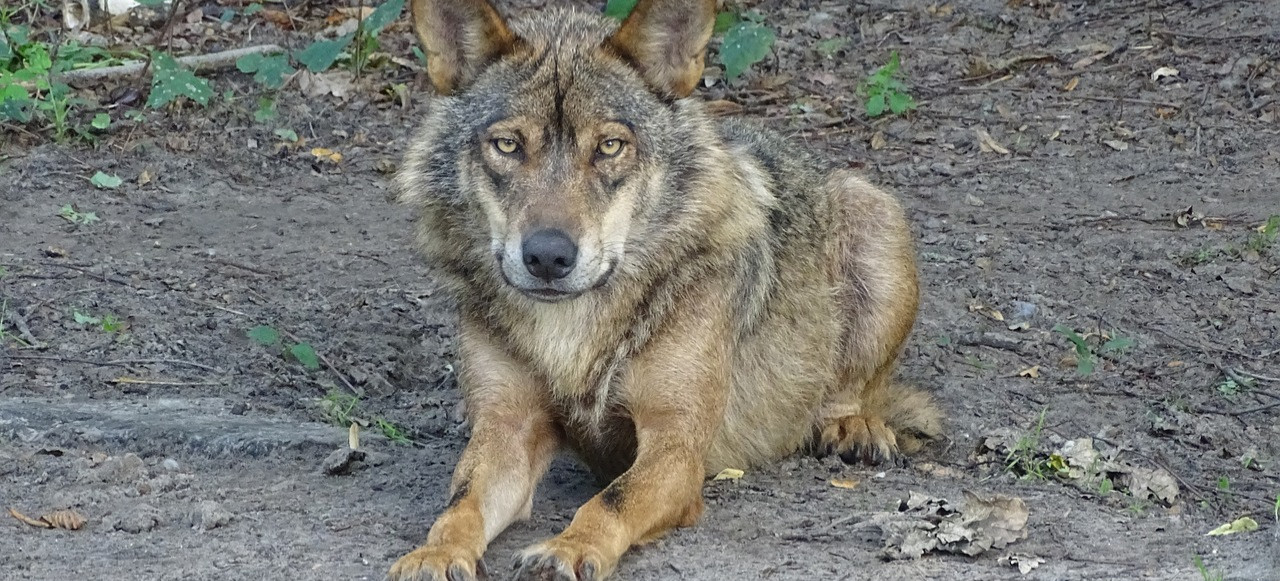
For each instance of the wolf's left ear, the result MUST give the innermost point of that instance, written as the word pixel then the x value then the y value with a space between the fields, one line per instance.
pixel 667 41
pixel 461 37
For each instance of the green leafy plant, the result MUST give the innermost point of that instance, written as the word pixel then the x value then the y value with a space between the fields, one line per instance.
pixel 1266 235
pixel 1224 483
pixel 105 181
pixel 320 55
pixel 745 43
pixel 303 353
pixel 1085 353
pixel 106 323
pixel 343 409
pixel 1024 458
pixel 269 71
pixel 170 81
pixel 70 214
pixel 884 90
pixel 101 121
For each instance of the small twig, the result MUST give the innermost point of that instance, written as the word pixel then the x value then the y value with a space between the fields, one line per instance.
pixel 1245 36
pixel 132 381
pixel 101 277
pixel 200 62
pixel 1260 408
pixel 1122 100
pixel 65 360
pixel 1256 376
pixel 166 362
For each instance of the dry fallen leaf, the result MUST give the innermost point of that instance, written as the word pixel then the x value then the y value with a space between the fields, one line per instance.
pixel 1071 85
pixel 145 177
pixel 925 524
pixel 336 83
pixel 1243 524
pixel 987 143
pixel 1163 72
pixel 844 483
pixel 1033 372
pixel 276 17
pixel 1025 563
pixel 325 154
pixel 729 474
pixel 1116 144
pixel 878 141
pixel 58 519
pixel 353 436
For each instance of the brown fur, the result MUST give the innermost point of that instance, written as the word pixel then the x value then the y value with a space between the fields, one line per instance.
pixel 731 301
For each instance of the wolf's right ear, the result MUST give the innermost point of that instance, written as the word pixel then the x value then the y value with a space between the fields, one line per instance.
pixel 667 41
pixel 461 37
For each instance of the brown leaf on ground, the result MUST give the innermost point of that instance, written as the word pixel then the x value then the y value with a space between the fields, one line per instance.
pixel 924 524
pixel 58 519
pixel 988 144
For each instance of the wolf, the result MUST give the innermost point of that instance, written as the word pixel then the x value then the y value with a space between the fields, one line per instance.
pixel 663 291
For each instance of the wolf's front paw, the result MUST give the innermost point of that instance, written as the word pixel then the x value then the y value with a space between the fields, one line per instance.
pixel 860 437
pixel 560 560
pixel 439 563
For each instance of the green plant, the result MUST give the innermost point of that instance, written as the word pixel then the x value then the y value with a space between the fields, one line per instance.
pixel 1085 353
pixel 1205 573
pixel 829 47
pixel 1265 236
pixel 884 90
pixel 29 91
pixel 171 81
pixel 106 323
pixel 111 324
pixel 391 431
pixel 1224 483
pixel 1106 486
pixel 70 214
pixel 322 54
pixel 745 43
pixel 338 407
pixel 303 353
pixel 105 181
pixel 342 409
pixel 1024 458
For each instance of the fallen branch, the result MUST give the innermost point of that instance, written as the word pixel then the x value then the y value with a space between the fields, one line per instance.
pixel 200 62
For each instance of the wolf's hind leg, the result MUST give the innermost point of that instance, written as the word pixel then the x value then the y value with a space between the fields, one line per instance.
pixel 872 264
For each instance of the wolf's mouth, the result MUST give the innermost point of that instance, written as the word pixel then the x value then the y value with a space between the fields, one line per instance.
pixel 552 295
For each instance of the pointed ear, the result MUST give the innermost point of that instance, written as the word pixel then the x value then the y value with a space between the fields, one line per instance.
pixel 667 41
pixel 461 37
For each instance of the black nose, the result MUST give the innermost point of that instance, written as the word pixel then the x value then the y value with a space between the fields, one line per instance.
pixel 549 254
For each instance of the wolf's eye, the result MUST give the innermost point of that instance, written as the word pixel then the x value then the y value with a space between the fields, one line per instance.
pixel 610 147
pixel 505 145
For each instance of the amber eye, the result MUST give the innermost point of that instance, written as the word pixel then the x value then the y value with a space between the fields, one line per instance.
pixel 506 145
pixel 610 147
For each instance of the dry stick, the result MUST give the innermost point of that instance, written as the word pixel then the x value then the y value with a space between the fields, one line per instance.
pixel 169 362
pixel 117 362
pixel 1246 36
pixel 1256 376
pixel 101 277
pixel 211 61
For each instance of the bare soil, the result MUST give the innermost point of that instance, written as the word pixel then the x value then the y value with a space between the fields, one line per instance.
pixel 1114 204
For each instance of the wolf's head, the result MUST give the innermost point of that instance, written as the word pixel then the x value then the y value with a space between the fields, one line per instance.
pixel 555 134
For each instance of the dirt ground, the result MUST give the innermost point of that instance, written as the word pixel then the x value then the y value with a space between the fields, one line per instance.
pixel 1111 201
